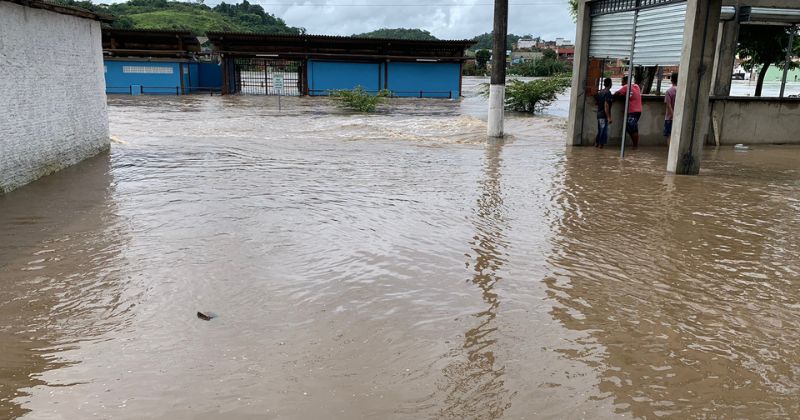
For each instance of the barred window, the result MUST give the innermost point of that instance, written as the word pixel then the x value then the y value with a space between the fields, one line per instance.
pixel 147 69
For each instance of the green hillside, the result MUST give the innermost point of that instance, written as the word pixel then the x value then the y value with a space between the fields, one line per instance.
pixel 399 33
pixel 196 21
pixel 195 17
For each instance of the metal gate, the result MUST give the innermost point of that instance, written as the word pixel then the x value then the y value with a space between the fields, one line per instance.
pixel 256 76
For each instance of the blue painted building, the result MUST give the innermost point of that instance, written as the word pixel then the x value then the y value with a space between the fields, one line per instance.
pixel 317 65
pixel 156 62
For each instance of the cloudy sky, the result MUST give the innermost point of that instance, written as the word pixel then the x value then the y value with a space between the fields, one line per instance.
pixel 445 19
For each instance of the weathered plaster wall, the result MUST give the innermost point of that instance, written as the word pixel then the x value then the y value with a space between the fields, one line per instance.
pixel 740 120
pixel 651 125
pixel 52 93
pixel 757 121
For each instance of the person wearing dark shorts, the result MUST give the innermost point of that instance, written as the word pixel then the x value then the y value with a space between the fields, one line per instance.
pixel 634 108
pixel 604 100
pixel 669 101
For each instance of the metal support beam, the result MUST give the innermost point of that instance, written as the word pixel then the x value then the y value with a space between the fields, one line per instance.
pixel 692 104
pixel 629 90
pixel 580 69
pixel 778 4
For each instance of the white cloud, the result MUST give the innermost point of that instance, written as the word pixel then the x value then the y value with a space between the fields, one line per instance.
pixel 445 19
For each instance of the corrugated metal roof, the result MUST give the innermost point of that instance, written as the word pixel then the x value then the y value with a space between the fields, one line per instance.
pixel 289 37
pixel 64 10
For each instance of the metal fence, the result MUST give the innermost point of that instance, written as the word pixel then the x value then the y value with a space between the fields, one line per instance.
pixel 394 93
pixel 257 76
pixel 162 90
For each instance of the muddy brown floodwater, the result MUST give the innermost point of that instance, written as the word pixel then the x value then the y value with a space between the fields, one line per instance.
pixel 395 266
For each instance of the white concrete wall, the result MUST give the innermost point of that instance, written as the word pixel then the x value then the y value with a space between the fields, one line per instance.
pixel 651 124
pixel 743 120
pixel 52 93
pixel 757 121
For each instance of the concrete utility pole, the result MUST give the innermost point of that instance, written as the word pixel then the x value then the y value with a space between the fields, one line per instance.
pixel 497 87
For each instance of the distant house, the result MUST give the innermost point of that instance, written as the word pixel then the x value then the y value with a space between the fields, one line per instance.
pixel 526 43
pixel 51 82
pixel 566 53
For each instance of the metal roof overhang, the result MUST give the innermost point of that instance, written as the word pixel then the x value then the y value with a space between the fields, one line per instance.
pixel 333 47
pixel 64 10
pixel 149 43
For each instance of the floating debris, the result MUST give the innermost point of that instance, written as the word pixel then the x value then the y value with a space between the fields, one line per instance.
pixel 206 316
pixel 741 146
pixel 117 140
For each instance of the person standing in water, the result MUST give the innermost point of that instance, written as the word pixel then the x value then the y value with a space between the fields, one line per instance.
pixel 669 100
pixel 634 108
pixel 604 99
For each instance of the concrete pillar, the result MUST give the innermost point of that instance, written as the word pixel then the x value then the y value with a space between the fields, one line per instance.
pixel 692 104
pixel 727 40
pixel 497 87
pixel 726 58
pixel 580 67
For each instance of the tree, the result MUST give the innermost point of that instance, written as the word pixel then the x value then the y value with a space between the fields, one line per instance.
pixel 550 55
pixel 485 41
pixel 536 95
pixel 764 45
pixel 399 33
pixel 573 9
pixel 482 57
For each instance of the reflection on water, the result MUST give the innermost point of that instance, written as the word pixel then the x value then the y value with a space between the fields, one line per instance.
pixel 475 385
pixel 335 249
pixel 61 283
pixel 686 284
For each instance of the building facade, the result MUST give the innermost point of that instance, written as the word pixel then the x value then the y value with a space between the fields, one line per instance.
pixel 157 62
pixel 261 64
pixel 52 87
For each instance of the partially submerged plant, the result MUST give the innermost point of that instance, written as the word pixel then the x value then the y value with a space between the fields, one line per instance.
pixel 359 99
pixel 536 95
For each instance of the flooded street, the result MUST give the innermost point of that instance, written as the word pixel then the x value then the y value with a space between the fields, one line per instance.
pixel 396 266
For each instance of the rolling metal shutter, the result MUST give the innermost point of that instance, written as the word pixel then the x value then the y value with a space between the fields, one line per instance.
pixel 659 35
pixel 611 35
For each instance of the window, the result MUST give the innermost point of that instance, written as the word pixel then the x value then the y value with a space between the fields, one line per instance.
pixel 147 69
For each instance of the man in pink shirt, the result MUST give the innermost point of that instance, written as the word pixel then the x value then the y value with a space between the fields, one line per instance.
pixel 634 108
pixel 669 100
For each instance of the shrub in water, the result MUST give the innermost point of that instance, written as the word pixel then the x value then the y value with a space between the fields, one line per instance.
pixel 536 95
pixel 359 99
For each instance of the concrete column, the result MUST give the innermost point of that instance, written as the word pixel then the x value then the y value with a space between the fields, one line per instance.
pixel 497 87
pixel 580 67
pixel 726 58
pixel 727 40
pixel 692 104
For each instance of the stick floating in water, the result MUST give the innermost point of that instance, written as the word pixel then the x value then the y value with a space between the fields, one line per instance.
pixel 118 140
pixel 207 316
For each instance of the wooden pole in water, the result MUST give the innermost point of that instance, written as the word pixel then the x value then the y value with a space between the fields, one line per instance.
pixel 497 87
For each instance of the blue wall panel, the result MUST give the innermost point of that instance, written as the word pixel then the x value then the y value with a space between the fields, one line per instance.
pixel 332 75
pixel 155 77
pixel 435 80
pixel 210 76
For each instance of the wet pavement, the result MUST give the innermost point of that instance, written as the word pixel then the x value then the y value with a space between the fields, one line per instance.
pixel 396 266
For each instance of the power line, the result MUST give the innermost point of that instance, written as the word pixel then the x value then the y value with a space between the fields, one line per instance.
pixel 550 3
